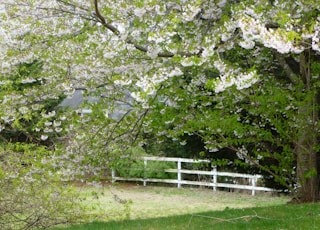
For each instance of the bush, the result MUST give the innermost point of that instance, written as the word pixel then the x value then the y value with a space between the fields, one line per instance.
pixel 31 195
pixel 133 166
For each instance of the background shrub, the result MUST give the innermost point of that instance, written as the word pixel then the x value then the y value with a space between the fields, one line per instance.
pixel 133 166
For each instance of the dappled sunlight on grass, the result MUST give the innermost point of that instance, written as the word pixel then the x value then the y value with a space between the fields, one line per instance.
pixel 131 201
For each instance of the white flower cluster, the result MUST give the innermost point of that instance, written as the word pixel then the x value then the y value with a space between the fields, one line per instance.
pixel 50 126
pixel 139 12
pixel 148 84
pixel 316 36
pixel 153 51
pixel 255 30
pixel 230 77
pixel 190 12
pixel 242 153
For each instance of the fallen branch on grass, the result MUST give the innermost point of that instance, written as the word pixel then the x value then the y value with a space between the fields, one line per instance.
pixel 232 220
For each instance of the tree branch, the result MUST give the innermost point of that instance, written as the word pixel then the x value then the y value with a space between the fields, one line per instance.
pixel 305 67
pixel 144 49
pixel 103 20
pixel 231 220
pixel 287 69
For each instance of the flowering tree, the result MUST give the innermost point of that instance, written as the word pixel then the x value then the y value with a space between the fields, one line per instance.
pixel 27 143
pixel 186 55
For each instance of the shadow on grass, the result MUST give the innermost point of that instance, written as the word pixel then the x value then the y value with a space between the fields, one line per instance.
pixel 302 216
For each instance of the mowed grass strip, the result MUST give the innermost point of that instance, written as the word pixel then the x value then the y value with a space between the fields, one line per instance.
pixel 291 216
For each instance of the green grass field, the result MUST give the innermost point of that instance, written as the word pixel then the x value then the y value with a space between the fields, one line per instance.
pixel 156 207
pixel 159 201
pixel 302 216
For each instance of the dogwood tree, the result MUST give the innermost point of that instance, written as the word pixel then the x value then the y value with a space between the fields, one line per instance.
pixel 185 54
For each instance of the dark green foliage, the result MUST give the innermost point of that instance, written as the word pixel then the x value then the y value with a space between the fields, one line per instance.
pixel 250 131
pixel 173 148
pixel 27 70
pixel 28 77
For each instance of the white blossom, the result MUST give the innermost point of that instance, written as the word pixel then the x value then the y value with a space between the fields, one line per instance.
pixel 248 44
pixel 139 12
pixel 58 129
pixel 212 150
pixel 44 137
pixel 23 110
pixel 175 72
pixel 48 130
pixel 48 123
pixel 153 52
pixel 183 143
pixel 56 123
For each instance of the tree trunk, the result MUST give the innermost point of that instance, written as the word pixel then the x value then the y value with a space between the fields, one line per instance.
pixel 307 167
pixel 307 156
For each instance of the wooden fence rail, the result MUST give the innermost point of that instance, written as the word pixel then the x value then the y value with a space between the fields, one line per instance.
pixel 214 174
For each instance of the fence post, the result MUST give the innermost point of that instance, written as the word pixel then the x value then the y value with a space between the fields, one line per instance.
pixel 254 181
pixel 113 175
pixel 179 173
pixel 144 172
pixel 214 178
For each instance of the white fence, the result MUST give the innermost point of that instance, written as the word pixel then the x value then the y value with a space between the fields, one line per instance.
pixel 214 174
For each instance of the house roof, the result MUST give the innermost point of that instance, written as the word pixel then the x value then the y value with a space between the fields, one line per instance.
pixel 76 100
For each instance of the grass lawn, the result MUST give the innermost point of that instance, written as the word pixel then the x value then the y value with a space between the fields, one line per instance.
pixel 131 206
pixel 157 201
pixel 302 216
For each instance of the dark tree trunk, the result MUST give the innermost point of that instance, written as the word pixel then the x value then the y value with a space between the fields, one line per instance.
pixel 307 156
pixel 307 137
pixel 307 167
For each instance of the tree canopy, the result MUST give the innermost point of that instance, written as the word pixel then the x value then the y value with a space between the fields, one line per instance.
pixel 239 74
